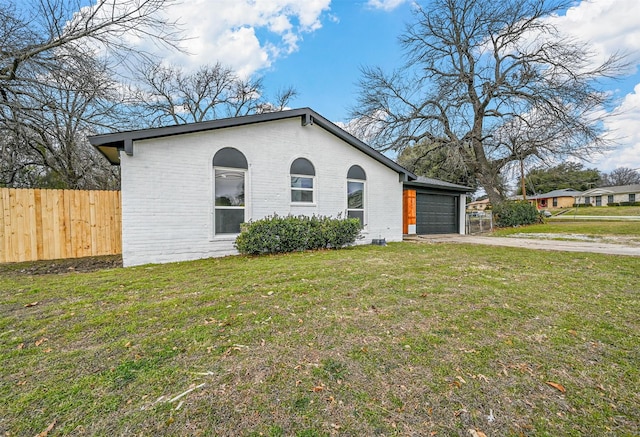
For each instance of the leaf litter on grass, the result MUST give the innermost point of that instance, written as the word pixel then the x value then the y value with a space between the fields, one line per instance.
pixel 346 346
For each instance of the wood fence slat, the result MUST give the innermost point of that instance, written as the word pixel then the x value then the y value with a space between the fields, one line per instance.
pixel 39 234
pixel 18 217
pixel 102 216
pixel 86 225
pixel 33 224
pixel 5 222
pixel 93 223
pixel 55 227
pixel 117 223
pixel 51 224
pixel 71 228
pixel 52 238
pixel 14 248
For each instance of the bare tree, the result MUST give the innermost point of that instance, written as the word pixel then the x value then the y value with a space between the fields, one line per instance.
pixel 58 59
pixel 622 176
pixel 46 128
pixel 171 95
pixel 478 67
pixel 32 33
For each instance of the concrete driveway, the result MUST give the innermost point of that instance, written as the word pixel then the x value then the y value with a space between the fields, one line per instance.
pixel 530 243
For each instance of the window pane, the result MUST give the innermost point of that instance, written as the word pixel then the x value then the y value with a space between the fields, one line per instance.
pixel 357 214
pixel 632 197
pixel 228 220
pixel 302 166
pixel 301 196
pixel 356 172
pixel 355 195
pixel 229 157
pixel 229 186
pixel 300 182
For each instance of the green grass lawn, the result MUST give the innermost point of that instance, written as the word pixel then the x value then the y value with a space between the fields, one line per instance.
pixel 629 229
pixel 606 210
pixel 408 339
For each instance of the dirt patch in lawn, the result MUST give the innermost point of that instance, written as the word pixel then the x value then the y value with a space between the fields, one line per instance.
pixel 59 266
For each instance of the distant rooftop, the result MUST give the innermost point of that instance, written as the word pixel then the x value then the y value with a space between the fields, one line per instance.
pixel 620 189
pixel 565 192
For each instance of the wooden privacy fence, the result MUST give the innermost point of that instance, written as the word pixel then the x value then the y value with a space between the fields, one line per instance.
pixel 38 224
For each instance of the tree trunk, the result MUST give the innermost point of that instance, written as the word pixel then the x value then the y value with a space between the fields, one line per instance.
pixel 491 186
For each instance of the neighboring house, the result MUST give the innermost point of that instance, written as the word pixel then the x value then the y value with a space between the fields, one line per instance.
pixel 478 205
pixel 186 189
pixel 557 199
pixel 603 196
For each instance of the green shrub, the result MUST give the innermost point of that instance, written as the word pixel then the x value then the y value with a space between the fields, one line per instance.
pixel 276 234
pixel 515 214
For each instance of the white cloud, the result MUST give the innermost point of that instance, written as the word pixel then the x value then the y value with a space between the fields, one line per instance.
pixel 247 35
pixel 625 127
pixel 385 5
pixel 609 27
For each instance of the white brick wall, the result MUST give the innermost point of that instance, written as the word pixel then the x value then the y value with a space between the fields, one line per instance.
pixel 167 187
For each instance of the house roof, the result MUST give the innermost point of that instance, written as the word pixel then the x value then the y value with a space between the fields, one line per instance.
pixel 111 144
pixel 620 189
pixel 479 202
pixel 422 181
pixel 565 192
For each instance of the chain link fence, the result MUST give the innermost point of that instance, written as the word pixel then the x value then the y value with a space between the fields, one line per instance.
pixel 479 222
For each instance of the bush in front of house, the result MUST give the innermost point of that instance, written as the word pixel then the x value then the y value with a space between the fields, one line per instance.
pixel 277 234
pixel 512 214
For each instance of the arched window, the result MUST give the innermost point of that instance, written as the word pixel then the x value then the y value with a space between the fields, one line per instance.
pixel 356 179
pixel 230 168
pixel 302 181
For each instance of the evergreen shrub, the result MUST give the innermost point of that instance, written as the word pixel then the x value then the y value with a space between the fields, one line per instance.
pixel 509 214
pixel 279 234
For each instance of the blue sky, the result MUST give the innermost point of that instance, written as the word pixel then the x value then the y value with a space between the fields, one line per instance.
pixel 318 47
pixel 327 67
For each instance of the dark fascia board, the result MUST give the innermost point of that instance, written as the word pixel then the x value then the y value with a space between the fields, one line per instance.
pixel 440 185
pixel 111 144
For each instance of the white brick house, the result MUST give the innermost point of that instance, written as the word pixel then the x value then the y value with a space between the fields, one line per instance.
pixel 186 188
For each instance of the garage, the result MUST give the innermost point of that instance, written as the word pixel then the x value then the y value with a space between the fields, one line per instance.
pixel 432 206
pixel 436 214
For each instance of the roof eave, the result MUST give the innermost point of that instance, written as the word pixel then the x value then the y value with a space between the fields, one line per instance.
pixel 448 187
pixel 111 144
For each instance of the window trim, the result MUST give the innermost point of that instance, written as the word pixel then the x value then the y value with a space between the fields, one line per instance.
pixel 229 207
pixel 364 201
pixel 232 160
pixel 363 182
pixel 302 189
